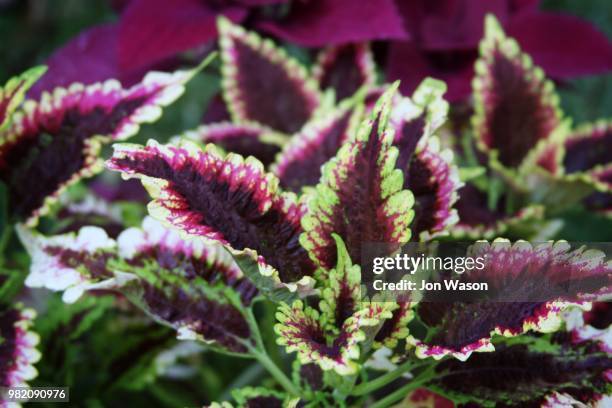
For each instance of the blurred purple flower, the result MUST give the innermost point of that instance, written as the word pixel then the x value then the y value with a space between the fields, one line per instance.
pixel 445 35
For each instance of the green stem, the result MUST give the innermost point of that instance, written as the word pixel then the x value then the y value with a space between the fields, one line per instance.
pixel 403 391
pixel 276 372
pixel 259 352
pixel 367 388
pixel 5 237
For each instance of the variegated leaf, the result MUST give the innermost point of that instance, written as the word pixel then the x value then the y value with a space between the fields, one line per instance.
pixel 18 352
pixel 516 106
pixel 360 195
pixel 13 92
pixel 55 141
pixel 222 198
pixel 262 83
pixel 528 289
pixel 249 139
pixel 345 69
pixel 531 372
pixel 300 162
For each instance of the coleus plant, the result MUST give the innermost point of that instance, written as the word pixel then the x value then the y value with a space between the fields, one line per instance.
pixel 226 233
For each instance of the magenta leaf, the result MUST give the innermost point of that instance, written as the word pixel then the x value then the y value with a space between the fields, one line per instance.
pixel 151 30
pixel 262 84
pixel 525 293
pixel 360 195
pixel 333 22
pixel 577 48
pixel 88 58
pixel 516 106
pixel 345 69
pixel 244 139
pixel 226 199
pixel 18 352
pixel 55 141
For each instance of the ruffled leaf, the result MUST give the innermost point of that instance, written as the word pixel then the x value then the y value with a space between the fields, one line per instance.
pixel 262 84
pixel 72 263
pixel 244 139
pixel 360 194
pixel 226 199
pixel 395 328
pixel 13 92
pixel 330 335
pixel 516 106
pixel 345 69
pixel 434 181
pixel 18 352
pixel 300 329
pixel 55 141
pixel 528 288
pixel 190 285
pixel 529 372
pixel 301 160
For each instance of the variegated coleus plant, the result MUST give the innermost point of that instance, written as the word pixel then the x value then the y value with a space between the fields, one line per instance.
pixel 225 233
pixel 534 163
pixel 229 235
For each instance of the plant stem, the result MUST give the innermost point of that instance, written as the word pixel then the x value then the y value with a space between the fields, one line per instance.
pixel 403 391
pixel 276 372
pixel 368 387
pixel 259 352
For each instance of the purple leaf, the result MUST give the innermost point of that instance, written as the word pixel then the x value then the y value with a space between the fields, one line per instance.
pixel 191 285
pixel 477 220
pixel 72 263
pixel 525 293
pixel 577 48
pixel 334 22
pixel 55 141
pixel 301 160
pixel 262 84
pixel 227 199
pixel 516 107
pixel 245 140
pixel 360 195
pixel 588 148
pixel 151 30
pixel 434 181
pixel 345 69
pixel 530 372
